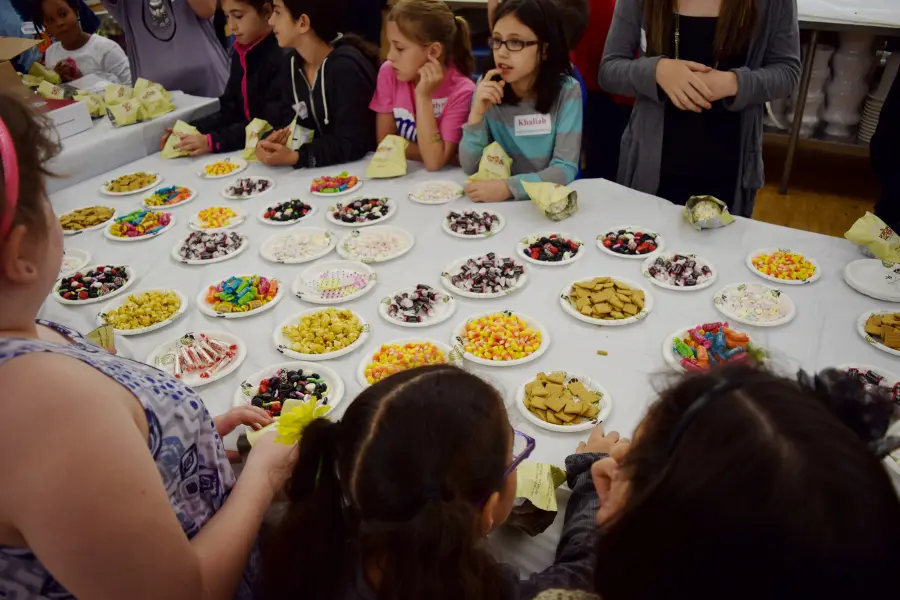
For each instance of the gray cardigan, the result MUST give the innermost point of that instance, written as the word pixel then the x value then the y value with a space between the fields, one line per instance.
pixel 772 71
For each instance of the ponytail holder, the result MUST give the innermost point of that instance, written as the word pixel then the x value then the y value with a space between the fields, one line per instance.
pixel 337 37
pixel 10 179
pixel 295 417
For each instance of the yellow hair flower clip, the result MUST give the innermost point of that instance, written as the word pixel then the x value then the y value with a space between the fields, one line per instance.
pixel 295 417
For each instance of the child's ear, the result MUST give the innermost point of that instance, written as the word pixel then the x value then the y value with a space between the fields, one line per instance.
pixel 435 51
pixel 303 23
pixel 486 518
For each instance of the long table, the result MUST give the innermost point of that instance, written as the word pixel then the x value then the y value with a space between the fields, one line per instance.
pixel 823 333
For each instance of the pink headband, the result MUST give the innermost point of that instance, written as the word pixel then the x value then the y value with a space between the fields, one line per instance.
pixel 11 179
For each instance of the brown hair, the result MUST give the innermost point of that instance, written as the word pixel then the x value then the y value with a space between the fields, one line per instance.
pixel 34 147
pixel 262 7
pixel 574 15
pixel 734 29
pixel 430 21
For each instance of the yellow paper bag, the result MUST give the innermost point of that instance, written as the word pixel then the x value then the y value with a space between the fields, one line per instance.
pixel 871 232
pixel 124 114
pixel 117 94
pixel 495 164
pixel 104 336
pixel 30 80
pixel 153 104
pixel 179 130
pixel 555 201
pixel 141 84
pixel 299 135
pixel 48 90
pixel 389 159
pixel 40 71
pixel 254 130
pixel 94 102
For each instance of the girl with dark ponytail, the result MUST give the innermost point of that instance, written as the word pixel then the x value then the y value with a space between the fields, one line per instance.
pixel 394 501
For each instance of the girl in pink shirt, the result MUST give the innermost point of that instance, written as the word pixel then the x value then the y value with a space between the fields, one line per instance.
pixel 424 89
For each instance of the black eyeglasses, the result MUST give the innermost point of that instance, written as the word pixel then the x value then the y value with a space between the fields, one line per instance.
pixel 511 45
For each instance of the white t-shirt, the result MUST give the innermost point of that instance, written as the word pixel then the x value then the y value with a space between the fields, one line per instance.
pixel 100 56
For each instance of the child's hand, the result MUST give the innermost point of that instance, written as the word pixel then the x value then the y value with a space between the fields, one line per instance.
pixel 487 94
pixel 279 136
pixel 601 442
pixel 251 416
pixel 165 137
pixel 270 461
pixel 488 191
pixel 194 144
pixel 65 70
pixel 431 76
pixel 274 155
pixel 681 82
pixel 611 484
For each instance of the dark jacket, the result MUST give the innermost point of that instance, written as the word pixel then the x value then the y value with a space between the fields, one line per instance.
pixel 257 70
pixel 336 109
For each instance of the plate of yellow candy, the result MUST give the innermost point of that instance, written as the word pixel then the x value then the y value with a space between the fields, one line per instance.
pixel 401 355
pixel 143 312
pixel 783 265
pixel 218 169
pixel 321 334
pixel 561 401
pixel 500 339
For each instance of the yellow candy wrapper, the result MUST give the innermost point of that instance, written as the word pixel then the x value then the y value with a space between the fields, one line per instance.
pixel 536 486
pixel 41 72
pixel 153 104
pixel 495 164
pixel 30 80
pixel 874 234
pixel 299 135
pixel 556 202
pixel 142 84
pixel 389 159
pixel 253 132
pixel 95 103
pixel 707 212
pixel 105 337
pixel 48 90
pixel 123 114
pixel 179 130
pixel 117 94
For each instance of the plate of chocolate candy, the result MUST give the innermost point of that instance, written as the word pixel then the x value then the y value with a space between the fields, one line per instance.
pixel 551 249
pixel 484 276
pixel 285 213
pixel 679 272
pixel 473 224
pixel 419 306
pixel 206 248
pixel 200 357
pixel 245 188
pixel 93 285
pixel 361 212
pixel 628 241
pixel 273 387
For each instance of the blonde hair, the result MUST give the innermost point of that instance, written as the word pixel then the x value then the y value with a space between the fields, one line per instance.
pixel 432 21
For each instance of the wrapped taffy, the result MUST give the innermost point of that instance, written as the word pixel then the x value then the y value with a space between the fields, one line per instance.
pixel 389 159
pixel 179 130
pixel 50 91
pixel 707 212
pixel 153 104
pixel 556 202
pixel 252 134
pixel 117 94
pixel 126 113
pixel 495 164
pixel 41 72
pixel 875 235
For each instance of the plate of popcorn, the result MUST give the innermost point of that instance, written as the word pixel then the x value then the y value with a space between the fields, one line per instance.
pixel 376 244
pixel 217 218
pixel 240 296
pixel 679 272
pixel 334 282
pixel 219 169
pixel 419 306
pixel 400 355
pixel 143 312
pixel 436 192
pixel 563 402
pixel 321 334
pixel 609 301
pixel 278 386
pixel 246 188
pixel 783 265
pixel 484 276
pixel 755 304
pixel 89 218
pixel 131 183
pixel 206 248
pixel 630 241
pixel 881 328
pixel 473 224
pixel 198 358
pixel 500 339
pixel 298 245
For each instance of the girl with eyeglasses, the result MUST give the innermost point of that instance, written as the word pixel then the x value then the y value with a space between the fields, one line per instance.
pixel 395 499
pixel 528 101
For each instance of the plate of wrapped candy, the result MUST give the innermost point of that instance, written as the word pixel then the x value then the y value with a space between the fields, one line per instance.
pixel 484 276
pixel 500 339
pixel 609 301
pixel 300 245
pixel 755 304
pixel 273 387
pixel 709 345
pixel 286 213
pixel 245 188
pixel 563 402
pixel 420 306
pixel 217 218
pixel 240 296
pixel 628 241
pixel 219 169
pixel 881 328
pixel 321 334
pixel 85 219
pixel 199 357
pixel 173 195
pixel 551 249
pixel 334 282
pixel 338 185
pixel 143 312
pixel 361 212
pixel 139 225
pixel 206 248
pixel 93 285
pixel 436 192
pixel 782 265
pixel 376 244
pixel 73 261
pixel 892 460
pixel 869 375
pixel 401 355
pixel 473 224
pixel 131 183
pixel 679 272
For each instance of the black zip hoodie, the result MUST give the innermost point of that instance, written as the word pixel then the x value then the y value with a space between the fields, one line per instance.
pixel 336 108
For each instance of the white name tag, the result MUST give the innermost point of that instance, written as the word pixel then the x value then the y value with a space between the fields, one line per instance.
pixel 643 41
pixel 438 105
pixel 533 125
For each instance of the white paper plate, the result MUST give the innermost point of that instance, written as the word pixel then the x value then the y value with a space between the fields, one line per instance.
pixel 392 210
pixel 660 242
pixel 569 307
pixel 358 185
pixel 874 278
pixel 449 191
pixel 605 405
pixel 459 345
pixel 207 310
pixel 193 194
pixel 128 270
pixel 367 359
pixel 443 309
pixel 283 343
pixel 408 241
pixel 527 240
pixel 453 267
pixel 669 354
pixel 92 227
pixel 861 328
pixel 260 216
pixel 194 223
pixel 755 253
pixel 123 299
pixel 76 259
pixel 146 188
pixel 240 162
pixel 786 306
pixel 266 249
pixel 140 238
pixel 248 387
pixel 501 223
pixel 300 288
pixel 228 196
pixel 176 256
pixel 645 270
pixel 163 357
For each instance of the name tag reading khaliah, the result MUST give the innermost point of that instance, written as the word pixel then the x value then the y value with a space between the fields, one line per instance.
pixel 533 125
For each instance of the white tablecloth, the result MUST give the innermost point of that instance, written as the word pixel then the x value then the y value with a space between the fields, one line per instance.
pixel 823 333
pixel 104 148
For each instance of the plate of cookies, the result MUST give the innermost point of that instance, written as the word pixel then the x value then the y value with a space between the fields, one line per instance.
pixel 564 402
pixel 610 301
